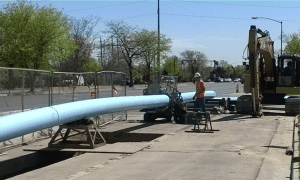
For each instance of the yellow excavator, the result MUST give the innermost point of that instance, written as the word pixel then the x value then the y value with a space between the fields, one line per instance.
pixel 267 83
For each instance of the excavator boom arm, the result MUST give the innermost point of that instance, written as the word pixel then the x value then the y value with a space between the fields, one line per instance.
pixel 261 54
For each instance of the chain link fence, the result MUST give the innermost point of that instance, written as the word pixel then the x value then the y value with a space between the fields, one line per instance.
pixel 27 89
pixel 71 87
pixel 112 84
pixel 23 89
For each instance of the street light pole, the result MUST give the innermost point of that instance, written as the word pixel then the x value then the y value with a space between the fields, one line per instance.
pixel 281 38
pixel 158 44
pixel 280 30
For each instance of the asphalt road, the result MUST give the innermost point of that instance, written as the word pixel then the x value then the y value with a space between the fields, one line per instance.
pixel 13 102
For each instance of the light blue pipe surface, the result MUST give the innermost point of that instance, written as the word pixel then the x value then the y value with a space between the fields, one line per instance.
pixel 187 97
pixel 231 98
pixel 19 124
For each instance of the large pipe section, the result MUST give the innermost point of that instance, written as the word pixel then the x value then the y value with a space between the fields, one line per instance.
pixel 15 125
pixel 187 97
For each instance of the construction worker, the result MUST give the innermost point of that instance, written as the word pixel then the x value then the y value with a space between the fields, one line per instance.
pixel 200 93
pixel 288 69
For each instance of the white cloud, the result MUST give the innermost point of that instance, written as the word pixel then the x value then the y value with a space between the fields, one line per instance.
pixel 179 46
pixel 222 38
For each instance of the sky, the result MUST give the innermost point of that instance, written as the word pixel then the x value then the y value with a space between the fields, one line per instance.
pixel 219 29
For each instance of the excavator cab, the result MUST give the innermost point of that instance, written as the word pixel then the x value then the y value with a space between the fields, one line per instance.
pixel 288 71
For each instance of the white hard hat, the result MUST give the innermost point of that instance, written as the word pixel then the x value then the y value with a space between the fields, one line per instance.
pixel 197 75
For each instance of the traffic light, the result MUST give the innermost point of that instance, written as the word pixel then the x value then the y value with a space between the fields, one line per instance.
pixel 216 62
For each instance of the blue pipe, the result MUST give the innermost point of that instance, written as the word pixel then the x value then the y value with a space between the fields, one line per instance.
pixel 15 125
pixel 188 97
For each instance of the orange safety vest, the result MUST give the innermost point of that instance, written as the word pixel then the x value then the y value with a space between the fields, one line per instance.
pixel 200 89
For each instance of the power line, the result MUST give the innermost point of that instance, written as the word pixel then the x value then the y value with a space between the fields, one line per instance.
pixel 203 2
pixel 105 6
pixel 247 5
pixel 208 16
pixel 134 16
pixel 216 17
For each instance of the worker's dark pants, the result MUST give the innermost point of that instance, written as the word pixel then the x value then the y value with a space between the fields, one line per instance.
pixel 200 103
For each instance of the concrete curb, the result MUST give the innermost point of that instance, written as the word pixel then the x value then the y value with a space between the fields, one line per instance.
pixel 296 151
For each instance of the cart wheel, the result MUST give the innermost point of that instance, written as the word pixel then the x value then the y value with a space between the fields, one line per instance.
pixel 169 118
pixel 179 119
pixel 148 118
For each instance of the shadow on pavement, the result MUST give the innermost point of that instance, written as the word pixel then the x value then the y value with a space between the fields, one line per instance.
pixel 278 147
pixel 274 113
pixel 234 117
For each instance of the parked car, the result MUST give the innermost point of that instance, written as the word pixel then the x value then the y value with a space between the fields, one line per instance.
pixel 128 81
pixel 207 80
pixel 218 79
pixel 237 80
pixel 242 80
pixel 67 82
pixel 227 80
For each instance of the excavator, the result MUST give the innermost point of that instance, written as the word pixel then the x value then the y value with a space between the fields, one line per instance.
pixel 267 82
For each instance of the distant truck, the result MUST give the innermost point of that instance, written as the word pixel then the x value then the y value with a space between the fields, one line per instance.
pixel 127 81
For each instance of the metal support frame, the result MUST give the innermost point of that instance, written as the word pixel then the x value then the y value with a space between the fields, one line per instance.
pixel 198 118
pixel 91 132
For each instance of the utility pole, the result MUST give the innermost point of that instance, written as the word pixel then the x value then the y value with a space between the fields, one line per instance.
pixel 118 50
pixel 104 48
pixel 112 48
pixel 174 65
pixel 158 45
pixel 101 54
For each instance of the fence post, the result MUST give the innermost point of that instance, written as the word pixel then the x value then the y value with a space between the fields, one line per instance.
pixel 125 84
pixel 1 81
pixel 96 86
pixel 125 93
pixel 51 85
pixel 49 91
pixel 73 93
pixel 112 84
pixel 72 86
pixel 22 99
pixel 22 93
pixel 50 98
pixel 112 90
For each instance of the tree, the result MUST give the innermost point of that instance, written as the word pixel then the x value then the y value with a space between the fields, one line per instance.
pixel 240 71
pixel 148 41
pixel 223 64
pixel 195 62
pixel 82 33
pixel 228 69
pixel 91 65
pixel 32 36
pixel 128 37
pixel 172 66
pixel 293 44
pixel 218 72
